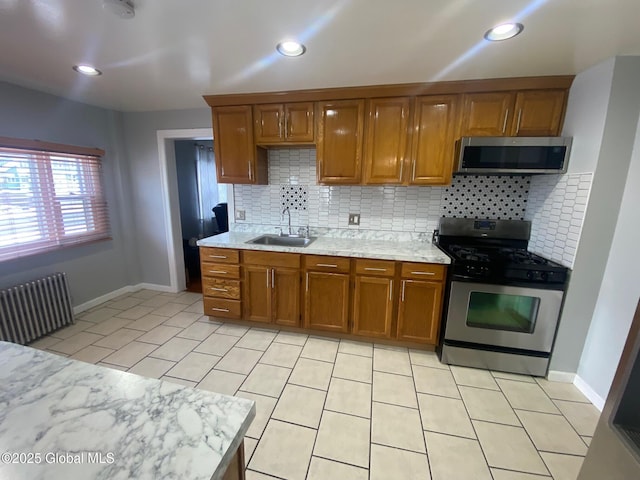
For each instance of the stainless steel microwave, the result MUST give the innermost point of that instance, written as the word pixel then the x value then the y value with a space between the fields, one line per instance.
pixel 513 155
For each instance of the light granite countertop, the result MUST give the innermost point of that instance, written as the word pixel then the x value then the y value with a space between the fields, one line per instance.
pixel 61 415
pixel 405 251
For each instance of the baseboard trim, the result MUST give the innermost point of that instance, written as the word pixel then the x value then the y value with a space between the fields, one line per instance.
pixel 121 291
pixel 589 392
pixel 559 376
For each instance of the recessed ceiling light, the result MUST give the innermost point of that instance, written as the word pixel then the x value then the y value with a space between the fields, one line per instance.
pixel 87 70
pixel 503 32
pixel 291 48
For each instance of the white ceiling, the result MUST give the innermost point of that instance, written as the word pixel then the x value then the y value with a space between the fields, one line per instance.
pixel 174 51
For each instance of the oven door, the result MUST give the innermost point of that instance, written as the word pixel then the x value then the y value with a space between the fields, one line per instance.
pixel 500 315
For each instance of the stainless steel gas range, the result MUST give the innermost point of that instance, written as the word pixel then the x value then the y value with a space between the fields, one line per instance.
pixel 503 302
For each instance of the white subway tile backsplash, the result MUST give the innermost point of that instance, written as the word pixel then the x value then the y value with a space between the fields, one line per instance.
pixel 554 203
pixel 556 208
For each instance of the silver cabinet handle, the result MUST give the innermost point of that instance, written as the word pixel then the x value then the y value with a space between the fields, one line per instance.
pixel 218 289
pixel 217 256
pixel 267 278
pixel 403 284
pixel 218 271
pixel 391 290
pixel 220 309
pixel 504 124
pixel 372 269
pixel 330 265
pixel 518 124
pixel 273 278
pixel 307 288
pixel 423 273
pixel 286 126
pixel 279 126
pixel 251 169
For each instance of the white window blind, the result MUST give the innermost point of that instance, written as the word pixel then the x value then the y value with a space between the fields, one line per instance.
pixel 51 197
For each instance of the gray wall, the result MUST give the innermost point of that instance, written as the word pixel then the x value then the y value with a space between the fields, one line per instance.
pixel 613 159
pixel 95 269
pixel 619 291
pixel 140 133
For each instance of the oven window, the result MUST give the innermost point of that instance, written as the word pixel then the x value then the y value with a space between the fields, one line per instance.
pixel 499 311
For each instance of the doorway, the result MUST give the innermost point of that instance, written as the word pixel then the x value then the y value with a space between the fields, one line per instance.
pixel 200 201
pixel 170 199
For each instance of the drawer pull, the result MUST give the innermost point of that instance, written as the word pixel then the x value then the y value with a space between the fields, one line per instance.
pixel 220 309
pixel 372 269
pixel 218 271
pixel 217 256
pixel 423 273
pixel 330 265
pixel 218 289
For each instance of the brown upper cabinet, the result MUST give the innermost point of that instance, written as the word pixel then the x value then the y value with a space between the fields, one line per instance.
pixel 433 146
pixel 237 158
pixel 284 124
pixel 538 113
pixel 386 140
pixel 339 141
pixel 527 113
pixel 381 134
pixel 487 114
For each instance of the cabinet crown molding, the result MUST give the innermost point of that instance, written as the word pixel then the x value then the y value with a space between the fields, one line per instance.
pixel 393 90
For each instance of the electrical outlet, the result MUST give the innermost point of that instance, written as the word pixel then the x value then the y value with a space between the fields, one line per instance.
pixel 239 214
pixel 354 219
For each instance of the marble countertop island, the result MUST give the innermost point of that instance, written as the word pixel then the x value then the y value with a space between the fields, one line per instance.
pixel 64 419
pixel 384 249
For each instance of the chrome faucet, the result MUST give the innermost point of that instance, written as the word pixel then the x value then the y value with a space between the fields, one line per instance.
pixel 288 212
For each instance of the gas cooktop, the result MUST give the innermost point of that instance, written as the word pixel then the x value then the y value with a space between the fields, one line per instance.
pixel 495 251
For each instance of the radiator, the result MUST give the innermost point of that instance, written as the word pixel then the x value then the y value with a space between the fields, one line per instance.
pixel 35 308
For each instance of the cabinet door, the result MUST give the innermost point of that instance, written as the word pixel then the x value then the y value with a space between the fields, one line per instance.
pixel 268 123
pixel 339 142
pixel 286 296
pixel 373 306
pixel 433 149
pixel 298 122
pixel 327 301
pixel 257 293
pixel 487 114
pixel 237 159
pixel 386 140
pixel 419 311
pixel 538 113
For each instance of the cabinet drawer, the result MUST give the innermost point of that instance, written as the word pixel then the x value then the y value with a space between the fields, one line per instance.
pixel 216 287
pixel 271 259
pixel 423 271
pixel 323 263
pixel 220 307
pixel 378 268
pixel 220 270
pixel 219 255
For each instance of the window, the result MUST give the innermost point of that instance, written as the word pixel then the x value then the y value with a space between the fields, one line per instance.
pixel 51 197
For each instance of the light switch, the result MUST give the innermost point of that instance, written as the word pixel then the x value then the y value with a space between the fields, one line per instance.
pixel 354 219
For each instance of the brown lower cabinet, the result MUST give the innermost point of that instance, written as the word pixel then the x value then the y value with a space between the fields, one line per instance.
pixel 221 282
pixel 326 293
pixel 364 297
pixel 373 298
pixel 272 287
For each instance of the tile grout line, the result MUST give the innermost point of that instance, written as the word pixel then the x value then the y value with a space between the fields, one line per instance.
pixel 424 437
pixel 315 440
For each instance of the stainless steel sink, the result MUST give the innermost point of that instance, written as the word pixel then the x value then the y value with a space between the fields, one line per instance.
pixel 281 240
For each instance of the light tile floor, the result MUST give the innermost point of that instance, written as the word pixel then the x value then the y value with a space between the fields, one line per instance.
pixel 329 409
